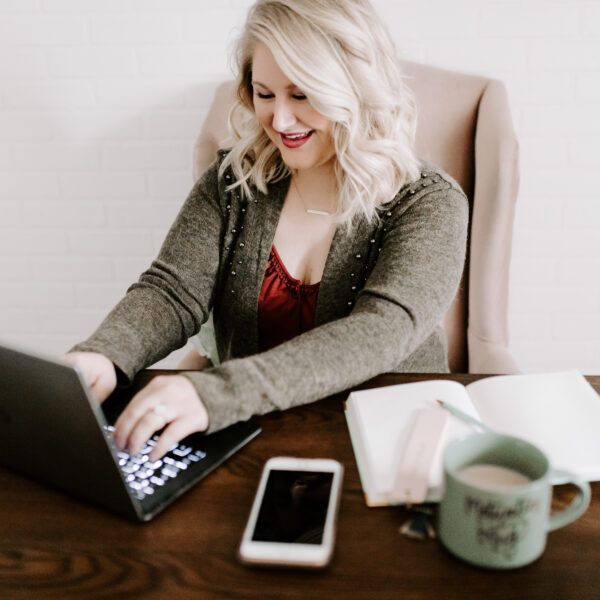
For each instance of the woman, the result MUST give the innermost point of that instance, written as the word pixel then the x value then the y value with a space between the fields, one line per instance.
pixel 326 251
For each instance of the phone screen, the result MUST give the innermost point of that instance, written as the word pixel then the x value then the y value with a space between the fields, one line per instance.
pixel 294 507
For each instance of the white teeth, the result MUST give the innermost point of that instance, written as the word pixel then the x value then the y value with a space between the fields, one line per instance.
pixel 297 136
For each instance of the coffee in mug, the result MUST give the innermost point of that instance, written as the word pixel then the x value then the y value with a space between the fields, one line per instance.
pixel 491 476
pixel 495 511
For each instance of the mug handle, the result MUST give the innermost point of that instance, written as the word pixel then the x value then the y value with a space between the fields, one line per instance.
pixel 579 504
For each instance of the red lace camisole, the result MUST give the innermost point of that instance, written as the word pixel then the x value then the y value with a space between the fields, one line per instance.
pixel 286 306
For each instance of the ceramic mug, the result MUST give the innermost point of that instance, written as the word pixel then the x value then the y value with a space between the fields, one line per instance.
pixel 495 511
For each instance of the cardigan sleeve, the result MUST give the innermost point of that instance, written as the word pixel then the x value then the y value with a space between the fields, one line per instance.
pixel 173 297
pixel 408 291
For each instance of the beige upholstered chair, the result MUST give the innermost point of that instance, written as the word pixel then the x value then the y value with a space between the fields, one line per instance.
pixel 464 127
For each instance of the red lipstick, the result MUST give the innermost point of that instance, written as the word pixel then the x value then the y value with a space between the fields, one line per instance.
pixel 295 140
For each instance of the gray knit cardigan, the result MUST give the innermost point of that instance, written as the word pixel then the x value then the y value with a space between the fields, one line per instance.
pixel 384 290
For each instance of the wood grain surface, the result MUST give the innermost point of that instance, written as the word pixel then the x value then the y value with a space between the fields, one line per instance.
pixel 55 547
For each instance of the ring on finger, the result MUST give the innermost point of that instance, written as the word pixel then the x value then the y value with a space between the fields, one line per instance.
pixel 159 410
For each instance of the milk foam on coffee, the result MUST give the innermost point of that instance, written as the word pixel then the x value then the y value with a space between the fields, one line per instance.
pixel 492 476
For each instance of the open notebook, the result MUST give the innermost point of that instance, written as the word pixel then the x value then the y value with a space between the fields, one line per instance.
pixel 558 412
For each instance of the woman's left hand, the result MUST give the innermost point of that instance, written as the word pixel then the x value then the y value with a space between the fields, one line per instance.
pixel 169 400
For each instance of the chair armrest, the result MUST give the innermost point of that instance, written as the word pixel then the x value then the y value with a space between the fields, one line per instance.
pixel 490 358
pixel 496 187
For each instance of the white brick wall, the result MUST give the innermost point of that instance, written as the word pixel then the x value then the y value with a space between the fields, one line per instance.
pixel 100 101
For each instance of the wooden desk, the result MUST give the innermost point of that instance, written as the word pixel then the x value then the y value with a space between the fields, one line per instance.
pixel 52 546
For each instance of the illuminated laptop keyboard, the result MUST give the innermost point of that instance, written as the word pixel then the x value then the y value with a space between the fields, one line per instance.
pixel 143 476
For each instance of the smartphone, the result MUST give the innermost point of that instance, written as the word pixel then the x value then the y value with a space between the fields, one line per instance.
pixel 293 516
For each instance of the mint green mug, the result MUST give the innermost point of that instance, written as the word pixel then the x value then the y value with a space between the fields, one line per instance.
pixel 495 511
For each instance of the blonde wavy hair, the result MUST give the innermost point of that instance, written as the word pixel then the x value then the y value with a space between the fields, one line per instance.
pixel 340 54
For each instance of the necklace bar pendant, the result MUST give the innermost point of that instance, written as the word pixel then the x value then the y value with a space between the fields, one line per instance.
pixel 314 211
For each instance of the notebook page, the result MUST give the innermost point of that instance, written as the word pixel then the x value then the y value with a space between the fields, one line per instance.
pixel 558 412
pixel 383 419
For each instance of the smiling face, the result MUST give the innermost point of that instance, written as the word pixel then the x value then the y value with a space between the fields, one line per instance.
pixel 302 135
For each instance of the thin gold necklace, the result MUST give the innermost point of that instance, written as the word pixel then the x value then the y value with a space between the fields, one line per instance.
pixel 310 211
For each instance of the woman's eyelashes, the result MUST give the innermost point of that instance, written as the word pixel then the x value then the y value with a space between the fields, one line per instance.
pixel 266 96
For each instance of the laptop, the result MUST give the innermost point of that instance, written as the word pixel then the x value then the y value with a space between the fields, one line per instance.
pixel 51 429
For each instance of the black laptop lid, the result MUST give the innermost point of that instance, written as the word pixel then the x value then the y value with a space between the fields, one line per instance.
pixel 52 431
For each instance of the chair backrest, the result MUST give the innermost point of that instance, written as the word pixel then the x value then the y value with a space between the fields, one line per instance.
pixel 465 128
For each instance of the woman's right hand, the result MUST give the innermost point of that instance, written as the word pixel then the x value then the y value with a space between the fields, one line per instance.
pixel 98 372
